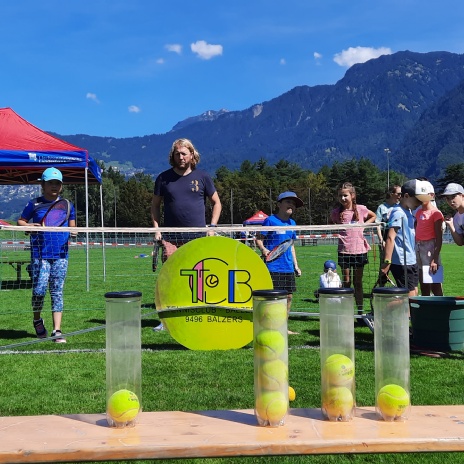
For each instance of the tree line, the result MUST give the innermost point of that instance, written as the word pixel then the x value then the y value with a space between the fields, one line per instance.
pixel 254 187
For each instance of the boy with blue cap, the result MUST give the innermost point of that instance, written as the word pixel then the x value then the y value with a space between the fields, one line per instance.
pixel 284 269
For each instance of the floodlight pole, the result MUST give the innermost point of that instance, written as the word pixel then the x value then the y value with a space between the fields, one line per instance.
pixel 115 221
pixel 309 204
pixel 231 207
pixel 387 152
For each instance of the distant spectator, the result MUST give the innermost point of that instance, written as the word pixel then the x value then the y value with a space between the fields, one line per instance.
pixel 454 196
pixel 382 214
pixel 392 197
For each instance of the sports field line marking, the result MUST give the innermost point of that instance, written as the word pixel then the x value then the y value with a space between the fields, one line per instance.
pixel 66 335
pixel 151 350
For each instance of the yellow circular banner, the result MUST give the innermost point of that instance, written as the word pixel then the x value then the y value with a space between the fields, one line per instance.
pixel 204 293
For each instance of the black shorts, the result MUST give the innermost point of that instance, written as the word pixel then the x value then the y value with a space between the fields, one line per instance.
pixel 412 272
pixel 346 261
pixel 284 281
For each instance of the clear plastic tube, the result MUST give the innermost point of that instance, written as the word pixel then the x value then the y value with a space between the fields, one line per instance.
pixel 123 358
pixel 270 346
pixel 337 353
pixel 391 344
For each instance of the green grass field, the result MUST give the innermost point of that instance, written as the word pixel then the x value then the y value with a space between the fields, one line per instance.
pixel 48 378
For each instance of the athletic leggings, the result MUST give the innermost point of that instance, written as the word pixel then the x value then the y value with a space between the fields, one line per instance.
pixel 49 273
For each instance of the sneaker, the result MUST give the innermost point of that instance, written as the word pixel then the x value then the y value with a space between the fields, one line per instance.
pixel 40 329
pixel 159 327
pixel 59 339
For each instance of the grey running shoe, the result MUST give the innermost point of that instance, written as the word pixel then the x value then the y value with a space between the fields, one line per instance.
pixel 59 338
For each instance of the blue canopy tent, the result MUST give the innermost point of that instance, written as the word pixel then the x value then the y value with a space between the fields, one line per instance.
pixel 26 151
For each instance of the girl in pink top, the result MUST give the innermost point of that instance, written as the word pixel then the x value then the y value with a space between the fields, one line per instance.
pixel 352 246
pixel 429 239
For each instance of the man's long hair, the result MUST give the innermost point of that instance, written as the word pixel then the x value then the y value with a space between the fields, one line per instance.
pixel 186 143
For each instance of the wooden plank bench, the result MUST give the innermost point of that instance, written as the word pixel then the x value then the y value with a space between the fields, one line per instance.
pixel 164 435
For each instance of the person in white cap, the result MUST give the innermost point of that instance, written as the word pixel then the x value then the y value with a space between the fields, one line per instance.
pixel 400 255
pixel 284 269
pixel 454 196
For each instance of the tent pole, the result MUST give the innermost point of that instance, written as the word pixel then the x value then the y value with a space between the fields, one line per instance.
pixel 87 225
pixel 103 234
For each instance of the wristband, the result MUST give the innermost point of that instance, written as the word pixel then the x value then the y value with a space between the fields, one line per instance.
pixel 387 261
pixel 213 225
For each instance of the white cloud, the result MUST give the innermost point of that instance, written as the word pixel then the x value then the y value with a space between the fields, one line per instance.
pixel 359 55
pixel 160 61
pixel 92 96
pixel 134 109
pixel 283 61
pixel 317 56
pixel 176 48
pixel 204 50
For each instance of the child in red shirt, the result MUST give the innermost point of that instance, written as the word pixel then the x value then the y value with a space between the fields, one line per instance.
pixel 429 239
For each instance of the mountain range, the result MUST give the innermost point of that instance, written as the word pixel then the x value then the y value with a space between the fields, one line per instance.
pixel 386 102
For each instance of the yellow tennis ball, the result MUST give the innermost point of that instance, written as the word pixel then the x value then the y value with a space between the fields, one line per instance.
pixel 337 402
pixel 272 407
pixel 269 344
pixel 392 400
pixel 291 394
pixel 271 314
pixel 273 375
pixel 123 406
pixel 338 369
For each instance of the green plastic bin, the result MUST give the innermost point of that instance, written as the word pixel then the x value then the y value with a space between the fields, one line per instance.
pixel 438 322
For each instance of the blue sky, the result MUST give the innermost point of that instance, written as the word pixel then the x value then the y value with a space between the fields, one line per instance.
pixel 137 67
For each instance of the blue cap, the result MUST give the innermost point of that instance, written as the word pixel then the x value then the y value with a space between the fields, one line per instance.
pixel 290 195
pixel 329 264
pixel 51 174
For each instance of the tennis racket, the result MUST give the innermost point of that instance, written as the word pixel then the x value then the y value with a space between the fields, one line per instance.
pixel 279 250
pixel 156 250
pixel 57 214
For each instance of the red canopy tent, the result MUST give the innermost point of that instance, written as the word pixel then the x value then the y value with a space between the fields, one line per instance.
pixel 257 219
pixel 26 151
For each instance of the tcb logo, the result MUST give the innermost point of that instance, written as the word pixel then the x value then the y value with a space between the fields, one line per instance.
pixel 212 281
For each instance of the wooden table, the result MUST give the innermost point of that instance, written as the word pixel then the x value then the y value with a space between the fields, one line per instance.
pixel 16 264
pixel 163 435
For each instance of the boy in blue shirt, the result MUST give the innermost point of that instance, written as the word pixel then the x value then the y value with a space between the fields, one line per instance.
pixel 285 267
pixel 400 252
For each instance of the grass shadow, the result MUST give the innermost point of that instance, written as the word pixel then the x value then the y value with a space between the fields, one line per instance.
pixel 144 322
pixel 11 334
pixel 164 347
